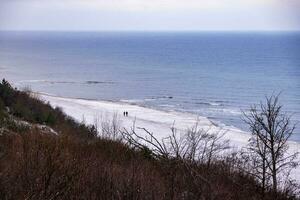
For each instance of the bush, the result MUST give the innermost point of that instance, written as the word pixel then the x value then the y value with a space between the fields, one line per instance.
pixel 2 108
pixel 26 107
pixel 76 164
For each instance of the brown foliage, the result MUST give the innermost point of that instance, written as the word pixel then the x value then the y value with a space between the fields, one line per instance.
pixel 45 166
pixel 76 164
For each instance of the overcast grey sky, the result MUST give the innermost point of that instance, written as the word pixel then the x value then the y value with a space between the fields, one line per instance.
pixel 149 15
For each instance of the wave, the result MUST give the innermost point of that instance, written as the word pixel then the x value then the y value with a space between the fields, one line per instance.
pixel 99 82
pixel 46 81
pixel 226 111
pixel 158 98
pixel 89 82
pixel 209 103
pixel 3 68
pixel 133 101
pixel 167 105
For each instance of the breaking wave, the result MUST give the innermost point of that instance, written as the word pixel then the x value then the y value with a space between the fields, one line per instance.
pixel 67 82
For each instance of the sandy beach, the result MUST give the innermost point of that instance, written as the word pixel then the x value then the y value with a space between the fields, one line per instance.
pixel 156 121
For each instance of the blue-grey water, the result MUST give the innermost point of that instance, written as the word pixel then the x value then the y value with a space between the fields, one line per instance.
pixel 212 74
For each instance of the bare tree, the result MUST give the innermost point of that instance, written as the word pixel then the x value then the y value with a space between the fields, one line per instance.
pixel 255 162
pixel 271 129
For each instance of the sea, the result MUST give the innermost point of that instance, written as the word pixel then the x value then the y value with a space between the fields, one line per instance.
pixel 218 75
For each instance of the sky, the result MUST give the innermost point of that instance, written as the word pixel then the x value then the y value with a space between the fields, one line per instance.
pixel 150 15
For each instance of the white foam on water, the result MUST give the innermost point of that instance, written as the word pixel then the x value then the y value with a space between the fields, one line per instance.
pixel 88 82
pixel 132 101
pixel 3 69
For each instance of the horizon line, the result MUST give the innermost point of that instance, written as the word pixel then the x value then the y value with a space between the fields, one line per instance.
pixel 148 31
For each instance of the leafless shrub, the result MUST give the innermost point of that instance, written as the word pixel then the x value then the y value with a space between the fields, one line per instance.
pixel 28 90
pixel 158 148
pixel 196 145
pixel 271 129
pixel 177 144
pixel 108 128
pixel 203 146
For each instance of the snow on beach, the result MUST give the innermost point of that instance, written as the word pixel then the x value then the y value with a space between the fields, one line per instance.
pixel 157 122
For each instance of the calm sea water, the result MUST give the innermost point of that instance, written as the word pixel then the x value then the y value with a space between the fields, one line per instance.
pixel 212 74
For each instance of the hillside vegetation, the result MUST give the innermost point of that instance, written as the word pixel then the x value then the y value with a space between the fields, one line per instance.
pixel 45 154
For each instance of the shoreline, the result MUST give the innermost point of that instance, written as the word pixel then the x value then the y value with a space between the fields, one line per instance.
pixel 156 121
pixel 113 107
pixel 141 115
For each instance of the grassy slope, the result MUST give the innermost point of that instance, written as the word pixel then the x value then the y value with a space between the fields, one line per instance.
pixel 76 164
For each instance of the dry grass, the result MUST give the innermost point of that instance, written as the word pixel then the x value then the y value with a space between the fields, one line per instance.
pixel 76 164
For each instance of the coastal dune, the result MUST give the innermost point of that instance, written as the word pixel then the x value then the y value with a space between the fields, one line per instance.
pixel 155 121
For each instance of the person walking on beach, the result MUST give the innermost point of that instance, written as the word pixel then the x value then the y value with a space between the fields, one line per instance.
pixel 126 113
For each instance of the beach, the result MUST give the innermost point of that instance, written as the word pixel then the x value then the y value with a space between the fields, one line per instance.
pixel 155 121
